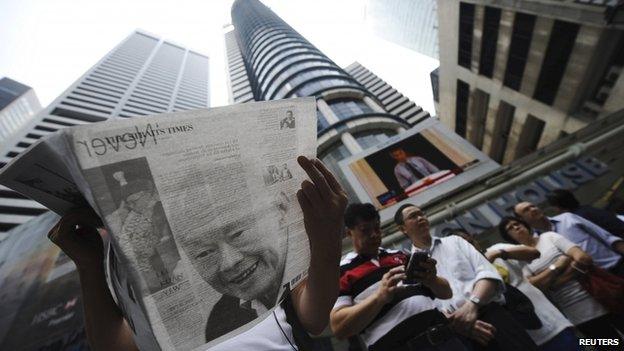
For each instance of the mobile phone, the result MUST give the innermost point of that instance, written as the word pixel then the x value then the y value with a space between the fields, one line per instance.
pixel 413 266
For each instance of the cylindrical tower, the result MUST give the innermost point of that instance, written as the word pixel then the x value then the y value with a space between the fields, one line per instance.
pixel 281 64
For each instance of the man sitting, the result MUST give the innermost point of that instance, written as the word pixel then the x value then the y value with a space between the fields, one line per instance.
pixel 373 302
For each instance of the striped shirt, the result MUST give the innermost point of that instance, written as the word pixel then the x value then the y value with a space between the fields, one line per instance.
pixel 360 277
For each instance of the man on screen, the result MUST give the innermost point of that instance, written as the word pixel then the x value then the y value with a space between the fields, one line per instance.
pixel 410 169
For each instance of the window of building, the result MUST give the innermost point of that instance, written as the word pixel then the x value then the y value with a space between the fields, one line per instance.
pixel 314 87
pixel 295 74
pixel 502 127
pixel 560 45
pixel 435 84
pixel 491 22
pixel 519 49
pixel 330 158
pixel 344 109
pixel 466 24
pixel 610 75
pixel 45 129
pixel 321 122
pixel 34 136
pixel 529 136
pixel 461 107
pixel 371 138
pixel 310 77
pixel 478 114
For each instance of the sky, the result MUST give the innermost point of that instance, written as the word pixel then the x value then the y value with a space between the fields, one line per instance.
pixel 49 44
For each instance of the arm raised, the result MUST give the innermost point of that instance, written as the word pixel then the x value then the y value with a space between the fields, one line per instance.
pixel 77 236
pixel 323 202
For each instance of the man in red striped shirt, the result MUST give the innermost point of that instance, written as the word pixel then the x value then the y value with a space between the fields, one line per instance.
pixel 375 304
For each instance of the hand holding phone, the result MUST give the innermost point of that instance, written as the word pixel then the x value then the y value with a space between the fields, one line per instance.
pixel 415 269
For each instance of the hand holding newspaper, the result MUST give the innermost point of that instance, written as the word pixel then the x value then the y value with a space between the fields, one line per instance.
pixel 206 233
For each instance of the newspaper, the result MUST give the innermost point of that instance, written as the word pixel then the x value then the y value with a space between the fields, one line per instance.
pixel 205 229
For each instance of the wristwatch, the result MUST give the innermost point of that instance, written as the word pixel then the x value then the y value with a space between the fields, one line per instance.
pixel 476 300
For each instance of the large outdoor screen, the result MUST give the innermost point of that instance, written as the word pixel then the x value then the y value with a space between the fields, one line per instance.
pixel 416 166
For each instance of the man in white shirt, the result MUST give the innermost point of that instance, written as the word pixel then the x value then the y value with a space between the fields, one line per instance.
pixel 474 309
pixel 322 201
pixel 605 249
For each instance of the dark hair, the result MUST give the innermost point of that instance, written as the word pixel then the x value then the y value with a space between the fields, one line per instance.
pixel 365 212
pixel 398 215
pixel 563 198
pixel 502 228
pixel 459 232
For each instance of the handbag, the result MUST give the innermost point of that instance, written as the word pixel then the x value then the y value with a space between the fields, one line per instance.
pixel 521 307
pixel 606 288
pixel 517 303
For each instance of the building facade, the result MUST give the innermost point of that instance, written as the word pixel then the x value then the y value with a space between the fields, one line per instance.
pixel 391 100
pixel 143 75
pixel 409 23
pixel 18 105
pixel 269 60
pixel 434 76
pixel 239 84
pixel 517 75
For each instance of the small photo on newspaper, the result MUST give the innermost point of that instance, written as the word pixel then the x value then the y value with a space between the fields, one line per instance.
pixel 206 234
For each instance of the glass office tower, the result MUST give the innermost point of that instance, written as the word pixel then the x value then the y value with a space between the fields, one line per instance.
pixel 269 60
pixel 143 75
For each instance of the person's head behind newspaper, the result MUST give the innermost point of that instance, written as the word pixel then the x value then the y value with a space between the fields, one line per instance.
pixel 136 192
pixel 240 255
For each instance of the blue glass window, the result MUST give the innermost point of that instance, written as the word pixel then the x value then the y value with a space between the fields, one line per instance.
pixel 288 50
pixel 348 108
pixel 321 122
pixel 306 76
pixel 287 62
pixel 313 87
pixel 294 78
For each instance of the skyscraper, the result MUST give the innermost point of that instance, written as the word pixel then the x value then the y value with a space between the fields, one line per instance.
pixel 269 60
pixel 515 76
pixel 143 75
pixel 18 105
pixel 391 100
pixel 238 81
pixel 409 23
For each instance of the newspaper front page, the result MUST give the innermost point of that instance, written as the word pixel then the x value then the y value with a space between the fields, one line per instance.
pixel 206 231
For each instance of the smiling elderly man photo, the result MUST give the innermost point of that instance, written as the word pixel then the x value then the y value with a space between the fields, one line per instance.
pixel 243 258
pixel 242 262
